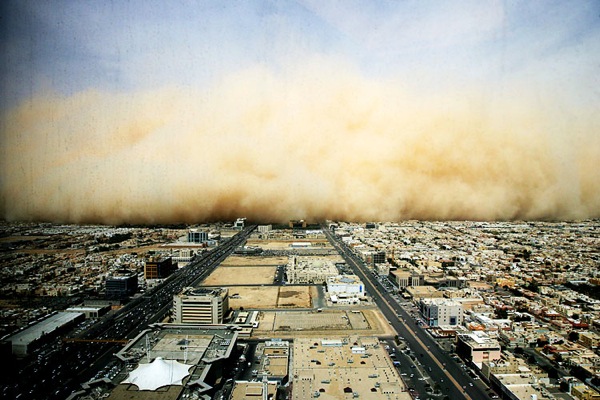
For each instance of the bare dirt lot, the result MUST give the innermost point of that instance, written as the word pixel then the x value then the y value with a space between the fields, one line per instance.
pixel 319 324
pixel 261 297
pixel 295 321
pixel 255 260
pixel 241 276
pixel 269 297
pixel 295 296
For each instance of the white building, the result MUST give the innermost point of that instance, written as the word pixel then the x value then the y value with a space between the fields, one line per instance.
pixel 182 257
pixel 307 270
pixel 345 284
pixel 196 236
pixel 89 312
pixel 406 278
pixel 441 311
pixel 300 245
pixel 239 223
pixel 200 306
pixel 264 228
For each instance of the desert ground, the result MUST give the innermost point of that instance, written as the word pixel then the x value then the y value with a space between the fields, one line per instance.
pixel 248 275
pixel 289 324
pixel 254 260
pixel 270 297
pixel 295 296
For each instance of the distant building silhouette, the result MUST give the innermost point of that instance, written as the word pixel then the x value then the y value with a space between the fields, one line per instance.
pixel 299 223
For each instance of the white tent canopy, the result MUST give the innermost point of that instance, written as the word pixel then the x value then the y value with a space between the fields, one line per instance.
pixel 157 374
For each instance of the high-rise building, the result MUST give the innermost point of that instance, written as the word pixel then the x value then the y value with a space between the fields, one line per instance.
pixel 159 267
pixel 379 257
pixel 200 306
pixel 121 285
pixel 239 223
pixel 182 257
pixel 196 236
pixel 264 228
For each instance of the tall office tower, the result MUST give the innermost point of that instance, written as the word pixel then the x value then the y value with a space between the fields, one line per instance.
pixel 200 306
pixel 159 267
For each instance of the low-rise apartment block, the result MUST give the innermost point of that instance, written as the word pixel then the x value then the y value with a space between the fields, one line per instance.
pixel 442 311
pixel 310 270
pixel 477 347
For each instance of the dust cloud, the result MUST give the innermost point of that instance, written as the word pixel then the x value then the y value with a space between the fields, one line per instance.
pixel 316 145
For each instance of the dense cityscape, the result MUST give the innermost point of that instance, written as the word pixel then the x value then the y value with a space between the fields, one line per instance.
pixel 337 310
pixel 299 199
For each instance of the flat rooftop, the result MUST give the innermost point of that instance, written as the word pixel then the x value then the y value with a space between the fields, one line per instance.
pixel 477 340
pixel 43 327
pixel 521 386
pixel 253 390
pixel 339 367
pixel 364 321
pixel 197 345
pixel 274 359
pixel 200 291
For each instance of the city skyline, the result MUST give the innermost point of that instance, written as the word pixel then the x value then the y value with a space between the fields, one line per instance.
pixel 151 112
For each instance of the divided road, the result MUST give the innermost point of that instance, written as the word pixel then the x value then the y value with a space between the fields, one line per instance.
pixel 452 379
pixel 57 373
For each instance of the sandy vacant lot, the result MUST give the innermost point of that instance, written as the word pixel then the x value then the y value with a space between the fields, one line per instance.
pixel 261 297
pixel 240 276
pixel 255 260
pixel 310 320
pixel 295 296
pixel 269 297
pixel 320 324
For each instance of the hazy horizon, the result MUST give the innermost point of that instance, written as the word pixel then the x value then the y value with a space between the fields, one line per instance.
pixel 158 113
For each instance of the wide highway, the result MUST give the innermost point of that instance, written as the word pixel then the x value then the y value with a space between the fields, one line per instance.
pixel 55 373
pixel 438 364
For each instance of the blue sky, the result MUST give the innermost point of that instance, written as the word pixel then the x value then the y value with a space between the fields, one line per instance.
pixel 70 46
pixel 314 109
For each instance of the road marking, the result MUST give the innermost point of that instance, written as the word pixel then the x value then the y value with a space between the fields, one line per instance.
pixel 442 367
pixel 434 358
